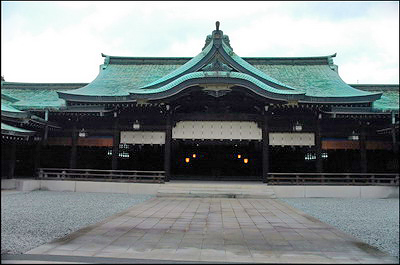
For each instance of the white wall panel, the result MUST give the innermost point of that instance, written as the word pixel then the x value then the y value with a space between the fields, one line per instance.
pixel 292 139
pixel 137 137
pixel 243 130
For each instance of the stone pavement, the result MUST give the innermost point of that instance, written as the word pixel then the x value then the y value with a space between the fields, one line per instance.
pixel 215 230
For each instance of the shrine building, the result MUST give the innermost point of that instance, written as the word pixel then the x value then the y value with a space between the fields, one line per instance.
pixel 216 116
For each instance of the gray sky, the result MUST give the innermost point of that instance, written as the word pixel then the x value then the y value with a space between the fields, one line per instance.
pixel 63 41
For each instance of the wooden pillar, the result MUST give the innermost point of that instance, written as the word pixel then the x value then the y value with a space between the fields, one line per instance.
pixel 167 146
pixel 265 148
pixel 363 149
pixel 11 169
pixel 38 150
pixel 46 130
pixel 74 142
pixel 116 141
pixel 318 147
pixel 395 145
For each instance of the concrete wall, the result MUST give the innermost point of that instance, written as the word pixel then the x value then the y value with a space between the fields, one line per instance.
pixel 27 184
pixel 336 191
pixel 81 186
pixel 116 187
pixel 8 184
pixel 151 189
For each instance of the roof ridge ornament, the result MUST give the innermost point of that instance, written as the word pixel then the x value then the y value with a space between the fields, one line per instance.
pixel 217 65
pixel 218 36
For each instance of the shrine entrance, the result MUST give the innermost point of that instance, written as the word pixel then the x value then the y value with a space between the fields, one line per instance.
pixel 217 160
pixel 216 150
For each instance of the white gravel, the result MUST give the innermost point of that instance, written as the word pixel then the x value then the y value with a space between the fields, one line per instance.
pixel 31 219
pixel 373 221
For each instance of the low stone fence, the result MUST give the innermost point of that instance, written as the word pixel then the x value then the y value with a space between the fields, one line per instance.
pixel 339 179
pixel 101 175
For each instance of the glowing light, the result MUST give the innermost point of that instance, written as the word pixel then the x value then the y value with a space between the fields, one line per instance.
pixel 239 156
pixel 245 160
pixel 187 159
pixel 194 155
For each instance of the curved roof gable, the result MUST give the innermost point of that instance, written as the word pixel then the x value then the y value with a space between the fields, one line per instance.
pixel 307 79
pixel 217 60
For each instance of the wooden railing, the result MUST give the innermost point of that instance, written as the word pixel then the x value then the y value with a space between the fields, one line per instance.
pixel 101 175
pixel 386 179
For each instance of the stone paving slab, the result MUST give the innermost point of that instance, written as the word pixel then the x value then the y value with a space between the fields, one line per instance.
pixel 215 230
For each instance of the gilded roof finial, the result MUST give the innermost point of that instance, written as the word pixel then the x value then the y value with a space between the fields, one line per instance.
pixel 217 24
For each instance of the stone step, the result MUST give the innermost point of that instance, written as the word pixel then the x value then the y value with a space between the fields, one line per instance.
pixel 218 195
pixel 227 190
pixel 245 187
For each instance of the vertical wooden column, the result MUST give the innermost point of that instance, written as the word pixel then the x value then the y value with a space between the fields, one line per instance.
pixel 116 141
pixel 74 142
pixel 46 130
pixel 265 148
pixel 167 146
pixel 395 145
pixel 363 149
pixel 318 147
pixel 38 150
pixel 12 161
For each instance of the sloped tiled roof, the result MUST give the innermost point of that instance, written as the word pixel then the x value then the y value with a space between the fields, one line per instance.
pixel 315 77
pixel 14 129
pixel 390 98
pixel 120 77
pixel 29 96
pixel 317 80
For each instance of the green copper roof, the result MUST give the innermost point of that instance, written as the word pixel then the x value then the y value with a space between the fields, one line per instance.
pixel 316 80
pixel 184 67
pixel 119 79
pixel 314 77
pixel 214 74
pixel 390 98
pixel 8 108
pixel 14 129
pixel 7 99
pixel 388 101
pixel 251 68
pixel 36 95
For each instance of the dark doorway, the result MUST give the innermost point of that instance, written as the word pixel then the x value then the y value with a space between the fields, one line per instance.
pixel 140 157
pixel 217 160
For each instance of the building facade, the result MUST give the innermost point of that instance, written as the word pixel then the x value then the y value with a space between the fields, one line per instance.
pixel 214 116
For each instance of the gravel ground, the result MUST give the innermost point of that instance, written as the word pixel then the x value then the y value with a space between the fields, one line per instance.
pixel 31 219
pixel 373 221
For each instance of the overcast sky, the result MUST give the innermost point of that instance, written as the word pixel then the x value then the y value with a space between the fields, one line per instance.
pixel 63 41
